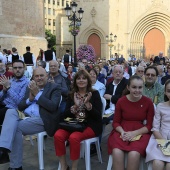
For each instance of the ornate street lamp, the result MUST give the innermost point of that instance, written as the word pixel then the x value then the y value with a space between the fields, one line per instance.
pixel 110 39
pixel 75 24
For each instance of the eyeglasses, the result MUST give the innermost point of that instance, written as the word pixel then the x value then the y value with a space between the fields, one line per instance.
pixel 140 71
pixel 152 75
pixel 17 68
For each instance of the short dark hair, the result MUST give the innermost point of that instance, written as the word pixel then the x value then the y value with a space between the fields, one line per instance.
pixel 67 51
pixel 92 69
pixel 14 49
pixel 28 48
pixel 18 61
pixel 152 67
pixel 5 51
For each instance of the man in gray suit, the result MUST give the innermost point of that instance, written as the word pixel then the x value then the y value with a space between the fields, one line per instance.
pixel 40 104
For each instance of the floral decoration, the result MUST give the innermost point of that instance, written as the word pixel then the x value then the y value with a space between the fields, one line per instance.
pixel 87 52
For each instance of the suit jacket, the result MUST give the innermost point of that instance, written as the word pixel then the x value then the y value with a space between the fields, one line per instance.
pixel 48 107
pixel 118 93
pixel 157 59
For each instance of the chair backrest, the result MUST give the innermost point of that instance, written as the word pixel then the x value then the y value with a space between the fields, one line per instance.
pixel 104 105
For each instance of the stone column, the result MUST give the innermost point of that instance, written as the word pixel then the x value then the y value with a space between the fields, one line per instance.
pixel 22 24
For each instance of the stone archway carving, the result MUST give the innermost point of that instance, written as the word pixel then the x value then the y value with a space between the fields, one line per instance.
pixel 147 22
pixel 93 29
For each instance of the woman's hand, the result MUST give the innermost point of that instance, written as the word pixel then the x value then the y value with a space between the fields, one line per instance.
pixel 76 100
pixel 128 136
pixel 73 109
pixel 87 99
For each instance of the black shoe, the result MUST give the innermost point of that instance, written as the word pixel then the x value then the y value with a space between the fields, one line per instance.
pixel 4 157
pixel 20 168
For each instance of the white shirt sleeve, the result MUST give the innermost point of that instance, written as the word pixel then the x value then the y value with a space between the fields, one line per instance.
pixel 70 59
pixel 34 60
pixel 54 58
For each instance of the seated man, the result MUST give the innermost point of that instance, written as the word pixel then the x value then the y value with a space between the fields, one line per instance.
pixel 115 88
pixel 55 76
pixel 40 105
pixel 153 89
pixel 13 90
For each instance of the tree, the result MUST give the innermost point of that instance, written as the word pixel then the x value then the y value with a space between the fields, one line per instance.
pixel 51 39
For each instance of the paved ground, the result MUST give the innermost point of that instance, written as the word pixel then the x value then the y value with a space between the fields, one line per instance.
pixel 30 156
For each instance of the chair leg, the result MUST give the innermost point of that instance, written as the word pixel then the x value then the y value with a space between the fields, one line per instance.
pixel 98 151
pixel 82 150
pixel 110 162
pixel 32 143
pixel 40 143
pixel 87 155
pixel 59 166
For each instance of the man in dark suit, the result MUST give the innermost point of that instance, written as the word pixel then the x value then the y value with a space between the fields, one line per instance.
pixel 40 105
pixel 158 58
pixel 115 88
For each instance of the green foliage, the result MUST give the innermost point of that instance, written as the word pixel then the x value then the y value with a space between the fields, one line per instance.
pixel 51 39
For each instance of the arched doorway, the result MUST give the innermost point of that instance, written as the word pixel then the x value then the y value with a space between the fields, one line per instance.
pixel 154 42
pixel 95 41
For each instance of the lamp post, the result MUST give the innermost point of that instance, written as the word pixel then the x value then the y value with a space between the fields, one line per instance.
pixel 75 24
pixel 110 39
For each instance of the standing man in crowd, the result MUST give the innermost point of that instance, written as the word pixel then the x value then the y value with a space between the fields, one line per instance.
pixel 30 60
pixel 158 58
pixel 14 56
pixel 66 59
pixel 40 104
pixel 153 89
pixel 48 56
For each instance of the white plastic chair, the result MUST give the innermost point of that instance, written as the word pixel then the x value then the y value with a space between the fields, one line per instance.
pixel 41 146
pixel 142 165
pixel 85 145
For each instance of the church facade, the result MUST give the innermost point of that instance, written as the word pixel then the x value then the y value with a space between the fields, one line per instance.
pixel 142 27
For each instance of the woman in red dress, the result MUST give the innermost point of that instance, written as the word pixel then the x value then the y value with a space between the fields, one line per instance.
pixel 133 116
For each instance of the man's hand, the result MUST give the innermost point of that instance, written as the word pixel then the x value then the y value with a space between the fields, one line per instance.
pixel 5 82
pixel 33 90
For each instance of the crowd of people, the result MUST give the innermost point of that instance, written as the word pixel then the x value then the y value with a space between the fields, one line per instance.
pixel 48 90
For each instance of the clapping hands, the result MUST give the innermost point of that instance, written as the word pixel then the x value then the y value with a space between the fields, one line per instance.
pixel 5 82
pixel 33 90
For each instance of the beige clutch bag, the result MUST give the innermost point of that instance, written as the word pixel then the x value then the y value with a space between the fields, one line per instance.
pixel 135 138
pixel 164 145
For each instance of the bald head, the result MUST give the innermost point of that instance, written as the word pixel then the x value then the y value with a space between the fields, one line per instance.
pixel 40 77
pixel 39 69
